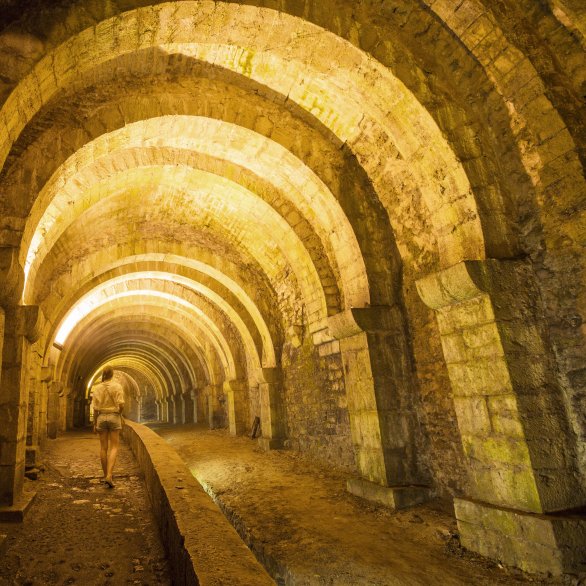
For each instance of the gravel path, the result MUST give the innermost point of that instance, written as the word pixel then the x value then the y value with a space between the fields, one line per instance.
pixel 78 531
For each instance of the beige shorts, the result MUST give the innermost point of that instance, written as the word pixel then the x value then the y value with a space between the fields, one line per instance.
pixel 108 422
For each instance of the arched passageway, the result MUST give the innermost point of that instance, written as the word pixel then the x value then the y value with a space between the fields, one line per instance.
pixel 361 223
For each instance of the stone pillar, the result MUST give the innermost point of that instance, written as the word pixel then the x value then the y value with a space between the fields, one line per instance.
pixel 512 420
pixel 21 326
pixel 200 405
pixel 271 410
pixel 46 376
pixel 160 410
pixel 66 406
pixel 171 409
pixel 132 407
pixel 213 406
pixel 34 409
pixel 195 411
pixel 235 390
pixel 161 403
pixel 210 407
pixel 373 345
pixel 189 408
pixel 55 389
pixel 179 408
pixel 43 400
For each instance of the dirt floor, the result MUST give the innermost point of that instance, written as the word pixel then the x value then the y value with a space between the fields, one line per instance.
pixel 78 531
pixel 308 530
pixel 298 519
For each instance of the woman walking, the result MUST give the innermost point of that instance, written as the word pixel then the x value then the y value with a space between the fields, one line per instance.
pixel 108 403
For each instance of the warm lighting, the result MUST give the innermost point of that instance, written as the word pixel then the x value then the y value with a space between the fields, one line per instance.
pixel 98 171
pixel 206 269
pixel 99 297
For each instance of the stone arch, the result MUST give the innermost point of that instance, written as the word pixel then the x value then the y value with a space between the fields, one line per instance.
pixel 168 305
pixel 164 359
pixel 158 185
pixel 172 285
pixel 134 364
pixel 258 64
pixel 154 258
pixel 321 217
pixel 215 368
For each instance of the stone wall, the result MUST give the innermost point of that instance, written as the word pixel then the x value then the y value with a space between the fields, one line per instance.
pixel 441 445
pixel 315 400
pixel 204 206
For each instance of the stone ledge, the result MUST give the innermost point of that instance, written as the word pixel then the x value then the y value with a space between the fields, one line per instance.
pixel 394 497
pixel 17 512
pixel 202 546
pixel 534 543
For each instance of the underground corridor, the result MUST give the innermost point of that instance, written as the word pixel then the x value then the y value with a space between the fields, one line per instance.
pixel 333 251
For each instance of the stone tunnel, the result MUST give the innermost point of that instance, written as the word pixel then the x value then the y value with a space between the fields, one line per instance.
pixel 362 223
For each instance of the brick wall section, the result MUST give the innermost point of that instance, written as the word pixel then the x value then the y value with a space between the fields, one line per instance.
pixel 439 437
pixel 315 398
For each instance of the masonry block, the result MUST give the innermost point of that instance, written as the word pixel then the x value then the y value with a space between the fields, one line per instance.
pixel 504 415
pixel 395 498
pixel 473 415
pixel 268 444
pixel 480 377
pixel 511 486
pixel 16 512
pixel 534 543
pixel 370 462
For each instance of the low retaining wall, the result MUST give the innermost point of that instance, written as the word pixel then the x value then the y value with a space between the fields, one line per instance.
pixel 202 546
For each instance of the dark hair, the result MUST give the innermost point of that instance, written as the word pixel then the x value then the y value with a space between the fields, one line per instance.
pixel 107 373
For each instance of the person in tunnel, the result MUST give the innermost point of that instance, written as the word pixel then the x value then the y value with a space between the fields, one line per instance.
pixel 108 404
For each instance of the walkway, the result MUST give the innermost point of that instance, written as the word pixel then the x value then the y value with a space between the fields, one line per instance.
pixel 298 519
pixel 80 532
pixel 307 530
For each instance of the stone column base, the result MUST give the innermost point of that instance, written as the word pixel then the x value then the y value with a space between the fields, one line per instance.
pixel 270 443
pixel 554 543
pixel 52 429
pixel 16 512
pixel 32 456
pixel 394 497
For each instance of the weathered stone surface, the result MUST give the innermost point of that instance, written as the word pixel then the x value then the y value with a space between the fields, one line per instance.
pixel 11 277
pixel 536 543
pixel 15 512
pixel 194 531
pixel 205 192
pixel 392 497
pixel 495 396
